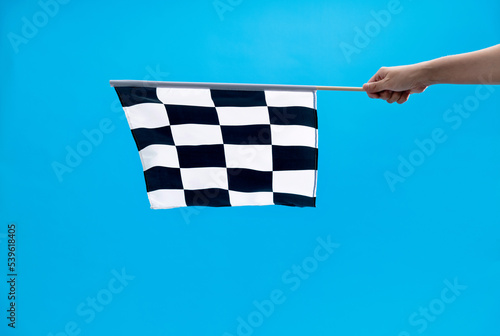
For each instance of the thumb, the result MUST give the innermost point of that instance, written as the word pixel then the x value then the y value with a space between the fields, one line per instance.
pixel 373 87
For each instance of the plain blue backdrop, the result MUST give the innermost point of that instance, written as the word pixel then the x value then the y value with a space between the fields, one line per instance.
pixel 198 271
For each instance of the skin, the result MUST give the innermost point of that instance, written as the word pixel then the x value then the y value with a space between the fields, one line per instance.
pixel 396 84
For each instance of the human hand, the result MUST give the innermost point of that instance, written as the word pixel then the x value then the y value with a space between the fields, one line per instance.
pixel 395 84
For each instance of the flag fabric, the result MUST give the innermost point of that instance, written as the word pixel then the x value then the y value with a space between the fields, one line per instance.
pixel 224 147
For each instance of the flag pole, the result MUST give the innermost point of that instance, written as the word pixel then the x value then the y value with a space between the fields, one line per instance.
pixel 339 88
pixel 230 86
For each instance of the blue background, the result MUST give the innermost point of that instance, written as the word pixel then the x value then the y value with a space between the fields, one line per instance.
pixel 198 270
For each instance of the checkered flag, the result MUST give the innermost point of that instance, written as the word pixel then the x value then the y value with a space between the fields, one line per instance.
pixel 223 147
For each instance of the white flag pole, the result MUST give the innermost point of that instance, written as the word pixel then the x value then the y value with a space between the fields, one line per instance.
pixel 339 88
pixel 230 86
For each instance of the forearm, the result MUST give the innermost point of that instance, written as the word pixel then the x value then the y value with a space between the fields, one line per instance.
pixel 478 67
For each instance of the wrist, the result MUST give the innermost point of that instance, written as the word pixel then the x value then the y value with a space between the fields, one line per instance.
pixel 426 74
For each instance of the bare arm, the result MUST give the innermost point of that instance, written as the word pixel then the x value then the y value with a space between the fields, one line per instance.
pixel 395 84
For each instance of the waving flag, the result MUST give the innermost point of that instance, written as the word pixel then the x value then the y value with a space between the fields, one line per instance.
pixel 224 145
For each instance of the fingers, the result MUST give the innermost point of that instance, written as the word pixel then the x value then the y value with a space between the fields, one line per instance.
pixel 373 95
pixel 375 87
pixel 392 96
pixel 404 97
pixel 385 95
pixel 395 96
pixel 376 83
pixel 380 86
